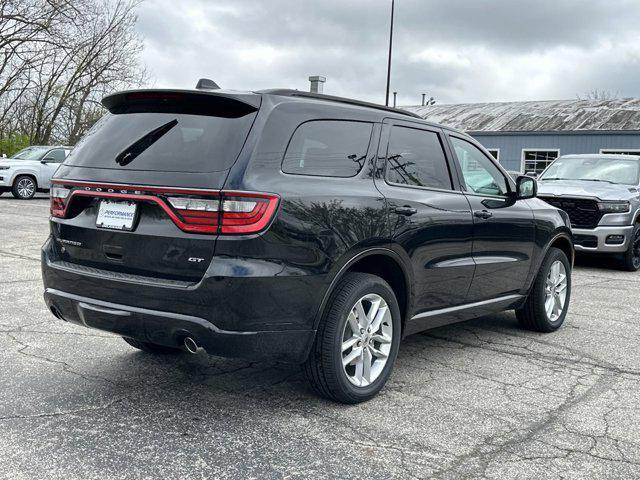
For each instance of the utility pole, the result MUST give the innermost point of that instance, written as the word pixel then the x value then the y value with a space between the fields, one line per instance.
pixel 390 47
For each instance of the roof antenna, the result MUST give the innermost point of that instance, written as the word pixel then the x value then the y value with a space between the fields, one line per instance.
pixel 206 84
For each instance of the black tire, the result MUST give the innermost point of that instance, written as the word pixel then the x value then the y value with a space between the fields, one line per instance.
pixel 532 315
pixel 24 187
pixel 631 258
pixel 324 367
pixel 151 347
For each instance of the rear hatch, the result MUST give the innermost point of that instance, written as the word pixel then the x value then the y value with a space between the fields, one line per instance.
pixel 140 193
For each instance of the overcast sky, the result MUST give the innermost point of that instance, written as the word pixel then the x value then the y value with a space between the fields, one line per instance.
pixel 454 50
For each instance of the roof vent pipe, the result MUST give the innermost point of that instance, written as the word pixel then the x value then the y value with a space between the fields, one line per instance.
pixel 317 83
pixel 395 95
pixel 424 96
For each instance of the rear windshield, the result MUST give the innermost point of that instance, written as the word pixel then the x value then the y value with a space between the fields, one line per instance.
pixel 168 142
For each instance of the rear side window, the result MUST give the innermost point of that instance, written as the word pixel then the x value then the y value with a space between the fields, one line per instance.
pixel 169 142
pixel 329 148
pixel 416 158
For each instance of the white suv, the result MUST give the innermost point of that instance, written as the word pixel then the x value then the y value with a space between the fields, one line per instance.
pixel 30 170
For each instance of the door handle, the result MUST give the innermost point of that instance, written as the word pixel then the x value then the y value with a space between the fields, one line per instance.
pixel 483 214
pixel 406 210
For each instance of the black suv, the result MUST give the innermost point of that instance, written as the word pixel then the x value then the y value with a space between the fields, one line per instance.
pixel 294 227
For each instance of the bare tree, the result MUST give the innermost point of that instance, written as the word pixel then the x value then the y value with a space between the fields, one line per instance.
pixel 59 58
pixel 597 94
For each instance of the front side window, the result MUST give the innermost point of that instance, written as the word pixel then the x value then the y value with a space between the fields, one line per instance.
pixel 537 160
pixel 416 158
pixel 56 156
pixel 329 148
pixel 480 175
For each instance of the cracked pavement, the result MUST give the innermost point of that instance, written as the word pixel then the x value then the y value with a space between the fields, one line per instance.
pixel 481 399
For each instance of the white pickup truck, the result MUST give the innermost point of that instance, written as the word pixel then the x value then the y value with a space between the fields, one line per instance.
pixel 30 170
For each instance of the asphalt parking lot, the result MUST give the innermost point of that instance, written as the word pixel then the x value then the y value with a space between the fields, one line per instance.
pixel 482 399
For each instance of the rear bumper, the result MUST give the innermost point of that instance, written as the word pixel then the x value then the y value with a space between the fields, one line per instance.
pixel 241 308
pixel 170 329
pixel 598 240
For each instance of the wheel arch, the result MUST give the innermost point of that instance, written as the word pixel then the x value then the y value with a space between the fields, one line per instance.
pixel 26 173
pixel 563 242
pixel 381 262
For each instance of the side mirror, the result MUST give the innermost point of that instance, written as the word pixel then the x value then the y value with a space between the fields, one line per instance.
pixel 526 187
pixel 46 160
pixel 531 174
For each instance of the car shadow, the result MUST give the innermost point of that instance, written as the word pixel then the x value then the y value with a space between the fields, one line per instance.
pixel 604 262
pixel 222 380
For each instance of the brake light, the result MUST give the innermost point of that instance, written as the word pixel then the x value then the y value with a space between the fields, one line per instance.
pixel 58 195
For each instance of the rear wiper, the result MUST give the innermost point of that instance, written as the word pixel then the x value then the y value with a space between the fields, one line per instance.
pixel 130 153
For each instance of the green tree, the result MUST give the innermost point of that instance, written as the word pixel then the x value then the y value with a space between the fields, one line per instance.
pixel 13 143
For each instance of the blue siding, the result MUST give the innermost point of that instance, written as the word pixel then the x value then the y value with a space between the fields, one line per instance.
pixel 511 145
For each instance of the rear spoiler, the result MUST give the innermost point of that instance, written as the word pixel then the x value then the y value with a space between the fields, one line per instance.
pixel 215 103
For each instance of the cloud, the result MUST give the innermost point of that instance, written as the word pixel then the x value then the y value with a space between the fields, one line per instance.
pixel 456 51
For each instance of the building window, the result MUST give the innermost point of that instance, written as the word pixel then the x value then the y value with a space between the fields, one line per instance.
pixel 536 160
pixel 620 151
pixel 495 153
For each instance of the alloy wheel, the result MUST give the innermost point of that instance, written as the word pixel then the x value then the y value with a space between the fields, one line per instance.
pixel 555 291
pixel 366 340
pixel 26 187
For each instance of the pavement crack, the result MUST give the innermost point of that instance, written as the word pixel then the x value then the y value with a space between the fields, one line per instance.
pixel 77 411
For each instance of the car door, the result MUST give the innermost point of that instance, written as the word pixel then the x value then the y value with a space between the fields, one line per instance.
pixel 49 164
pixel 504 229
pixel 430 221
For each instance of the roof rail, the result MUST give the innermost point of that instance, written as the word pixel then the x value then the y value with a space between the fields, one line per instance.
pixel 331 98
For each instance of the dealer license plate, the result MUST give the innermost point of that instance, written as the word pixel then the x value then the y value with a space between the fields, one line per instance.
pixel 116 215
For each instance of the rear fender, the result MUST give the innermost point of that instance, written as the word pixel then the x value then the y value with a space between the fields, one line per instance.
pixel 351 260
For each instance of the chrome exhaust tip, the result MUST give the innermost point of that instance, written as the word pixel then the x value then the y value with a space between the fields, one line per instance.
pixel 190 345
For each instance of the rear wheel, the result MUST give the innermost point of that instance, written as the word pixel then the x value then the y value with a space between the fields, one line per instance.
pixel 546 306
pixel 24 187
pixel 150 347
pixel 631 258
pixel 357 341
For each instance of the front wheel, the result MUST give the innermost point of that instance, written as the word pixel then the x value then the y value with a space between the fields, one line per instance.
pixel 24 187
pixel 546 306
pixel 357 340
pixel 631 258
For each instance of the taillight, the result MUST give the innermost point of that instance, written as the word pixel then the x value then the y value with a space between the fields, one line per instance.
pixel 59 197
pixel 192 210
pixel 246 213
pixel 231 213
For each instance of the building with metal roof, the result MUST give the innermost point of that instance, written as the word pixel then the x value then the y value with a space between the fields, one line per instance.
pixel 527 136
